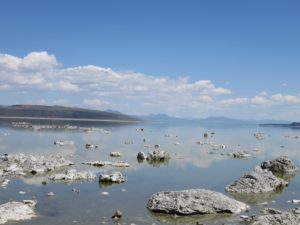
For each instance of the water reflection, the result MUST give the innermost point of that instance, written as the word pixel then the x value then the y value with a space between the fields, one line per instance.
pixel 250 198
pixel 191 166
pixel 194 219
pixel 286 176
pixel 155 163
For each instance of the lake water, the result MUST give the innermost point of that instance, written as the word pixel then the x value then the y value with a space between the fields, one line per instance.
pixel 191 166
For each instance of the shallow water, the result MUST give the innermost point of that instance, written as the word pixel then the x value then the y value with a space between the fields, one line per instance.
pixel 191 166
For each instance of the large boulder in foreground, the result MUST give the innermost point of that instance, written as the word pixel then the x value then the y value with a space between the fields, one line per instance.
pixel 194 201
pixel 281 164
pixel 257 181
pixel 15 211
pixel 277 218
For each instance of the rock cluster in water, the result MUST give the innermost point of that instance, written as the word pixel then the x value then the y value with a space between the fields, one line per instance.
pixel 15 211
pixel 23 164
pixel 194 201
pixel 72 175
pixel 156 155
pixel 256 181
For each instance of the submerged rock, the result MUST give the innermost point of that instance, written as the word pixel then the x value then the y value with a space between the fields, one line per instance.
pixel 105 163
pixel 90 146
pixel 115 177
pixel 63 142
pixel 194 201
pixel 50 194
pixel 72 175
pixel 241 155
pixel 276 217
pixel 96 163
pixel 31 203
pixel 270 211
pixel 76 190
pixel 119 164
pixel 115 154
pixel 281 164
pixel 23 164
pixel 296 201
pixel 257 181
pixel 4 182
pixel 15 211
pixel 117 215
pixel 259 136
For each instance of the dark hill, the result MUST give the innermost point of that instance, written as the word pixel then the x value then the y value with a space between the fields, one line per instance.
pixel 294 125
pixel 61 112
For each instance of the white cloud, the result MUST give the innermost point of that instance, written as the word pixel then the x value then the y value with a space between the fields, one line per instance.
pixel 234 101
pixel 205 98
pixel 95 102
pixel 38 61
pixel 285 99
pixel 62 86
pixel 263 100
pixel 40 71
pixel 37 70
pixel 259 100
pixel 34 61
pixel 62 101
pixel 125 91
pixel 263 93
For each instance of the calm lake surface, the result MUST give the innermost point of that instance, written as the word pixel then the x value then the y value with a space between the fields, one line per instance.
pixel 191 166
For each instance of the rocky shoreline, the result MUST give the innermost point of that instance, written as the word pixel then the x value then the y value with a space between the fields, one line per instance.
pixel 186 202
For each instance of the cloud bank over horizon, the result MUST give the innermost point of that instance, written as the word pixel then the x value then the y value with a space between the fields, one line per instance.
pixel 38 78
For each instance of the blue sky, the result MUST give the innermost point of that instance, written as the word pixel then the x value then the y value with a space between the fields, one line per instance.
pixel 184 58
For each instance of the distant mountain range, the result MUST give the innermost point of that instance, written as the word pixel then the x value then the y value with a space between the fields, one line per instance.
pixel 158 118
pixel 60 112
pixel 207 121
pixel 75 113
